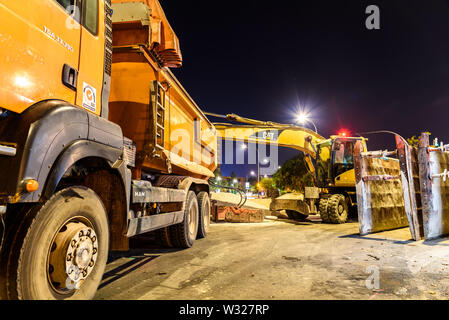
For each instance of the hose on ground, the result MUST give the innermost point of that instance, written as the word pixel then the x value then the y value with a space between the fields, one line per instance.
pixel 243 196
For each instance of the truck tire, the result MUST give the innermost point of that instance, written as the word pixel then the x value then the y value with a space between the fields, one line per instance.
pixel 294 215
pixel 322 207
pixel 61 249
pixel 337 209
pixel 204 214
pixel 183 235
pixel 163 237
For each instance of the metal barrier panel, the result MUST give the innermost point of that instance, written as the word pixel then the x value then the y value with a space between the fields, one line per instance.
pixel 434 186
pixel 380 200
pixel 408 160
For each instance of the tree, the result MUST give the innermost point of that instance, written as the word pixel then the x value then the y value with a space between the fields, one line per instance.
pixel 413 141
pixel 294 175
pixel 269 187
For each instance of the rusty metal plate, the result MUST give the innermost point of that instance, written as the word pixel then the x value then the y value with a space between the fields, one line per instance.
pixel 434 189
pixel 408 160
pixel 380 201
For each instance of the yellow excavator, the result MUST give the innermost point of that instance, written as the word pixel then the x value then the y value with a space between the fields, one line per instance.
pixel 329 160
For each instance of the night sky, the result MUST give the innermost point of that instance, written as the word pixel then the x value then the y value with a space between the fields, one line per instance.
pixel 264 59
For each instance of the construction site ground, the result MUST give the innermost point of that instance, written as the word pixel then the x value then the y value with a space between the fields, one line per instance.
pixel 282 259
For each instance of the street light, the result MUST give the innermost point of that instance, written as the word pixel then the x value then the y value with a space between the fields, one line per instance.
pixel 304 117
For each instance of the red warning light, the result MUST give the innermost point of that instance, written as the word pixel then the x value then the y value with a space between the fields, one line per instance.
pixel 343 133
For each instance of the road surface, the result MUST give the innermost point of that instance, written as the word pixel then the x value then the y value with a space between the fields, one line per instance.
pixel 282 259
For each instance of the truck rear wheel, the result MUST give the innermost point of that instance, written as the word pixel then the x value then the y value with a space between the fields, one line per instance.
pixel 337 209
pixel 163 237
pixel 204 214
pixel 322 207
pixel 183 235
pixel 61 252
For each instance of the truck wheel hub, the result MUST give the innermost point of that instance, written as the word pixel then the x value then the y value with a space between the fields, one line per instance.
pixel 340 209
pixel 73 256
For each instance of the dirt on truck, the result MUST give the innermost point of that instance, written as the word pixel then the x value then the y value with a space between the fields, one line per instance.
pixel 99 142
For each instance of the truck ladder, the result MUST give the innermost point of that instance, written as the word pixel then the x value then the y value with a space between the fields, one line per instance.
pixel 158 105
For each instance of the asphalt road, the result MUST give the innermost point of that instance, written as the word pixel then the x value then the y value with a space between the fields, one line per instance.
pixel 282 259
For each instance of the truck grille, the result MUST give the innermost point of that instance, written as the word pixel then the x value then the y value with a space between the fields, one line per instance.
pixel 129 152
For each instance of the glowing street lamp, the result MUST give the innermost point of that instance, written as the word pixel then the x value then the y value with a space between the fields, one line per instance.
pixel 303 118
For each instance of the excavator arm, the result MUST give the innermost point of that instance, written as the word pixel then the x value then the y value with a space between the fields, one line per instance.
pixel 268 132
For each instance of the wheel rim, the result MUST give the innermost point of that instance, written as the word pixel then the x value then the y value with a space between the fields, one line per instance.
pixel 72 256
pixel 192 220
pixel 341 209
pixel 206 216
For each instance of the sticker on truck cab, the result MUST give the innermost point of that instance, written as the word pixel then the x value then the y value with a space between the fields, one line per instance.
pixel 89 97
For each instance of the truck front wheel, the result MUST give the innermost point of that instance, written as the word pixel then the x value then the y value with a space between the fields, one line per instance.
pixel 62 252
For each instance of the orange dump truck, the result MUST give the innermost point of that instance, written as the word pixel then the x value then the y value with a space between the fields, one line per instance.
pixel 99 142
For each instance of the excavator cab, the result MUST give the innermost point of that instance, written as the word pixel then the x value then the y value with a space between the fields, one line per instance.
pixel 335 162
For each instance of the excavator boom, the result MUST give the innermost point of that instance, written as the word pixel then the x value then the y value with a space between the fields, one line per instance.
pixel 267 132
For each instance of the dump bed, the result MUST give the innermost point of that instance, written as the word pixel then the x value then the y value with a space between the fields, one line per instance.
pixel 171 133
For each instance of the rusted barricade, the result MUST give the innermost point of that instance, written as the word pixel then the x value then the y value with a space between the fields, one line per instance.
pixel 434 187
pixel 380 199
pixel 415 186
pixel 408 160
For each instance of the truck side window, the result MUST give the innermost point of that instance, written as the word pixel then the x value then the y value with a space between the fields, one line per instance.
pixel 90 15
pixel 65 3
pixel 71 7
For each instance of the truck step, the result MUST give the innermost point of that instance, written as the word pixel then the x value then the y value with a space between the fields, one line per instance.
pixel 146 224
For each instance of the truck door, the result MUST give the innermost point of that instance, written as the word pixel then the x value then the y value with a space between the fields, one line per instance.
pixel 91 69
pixel 39 41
